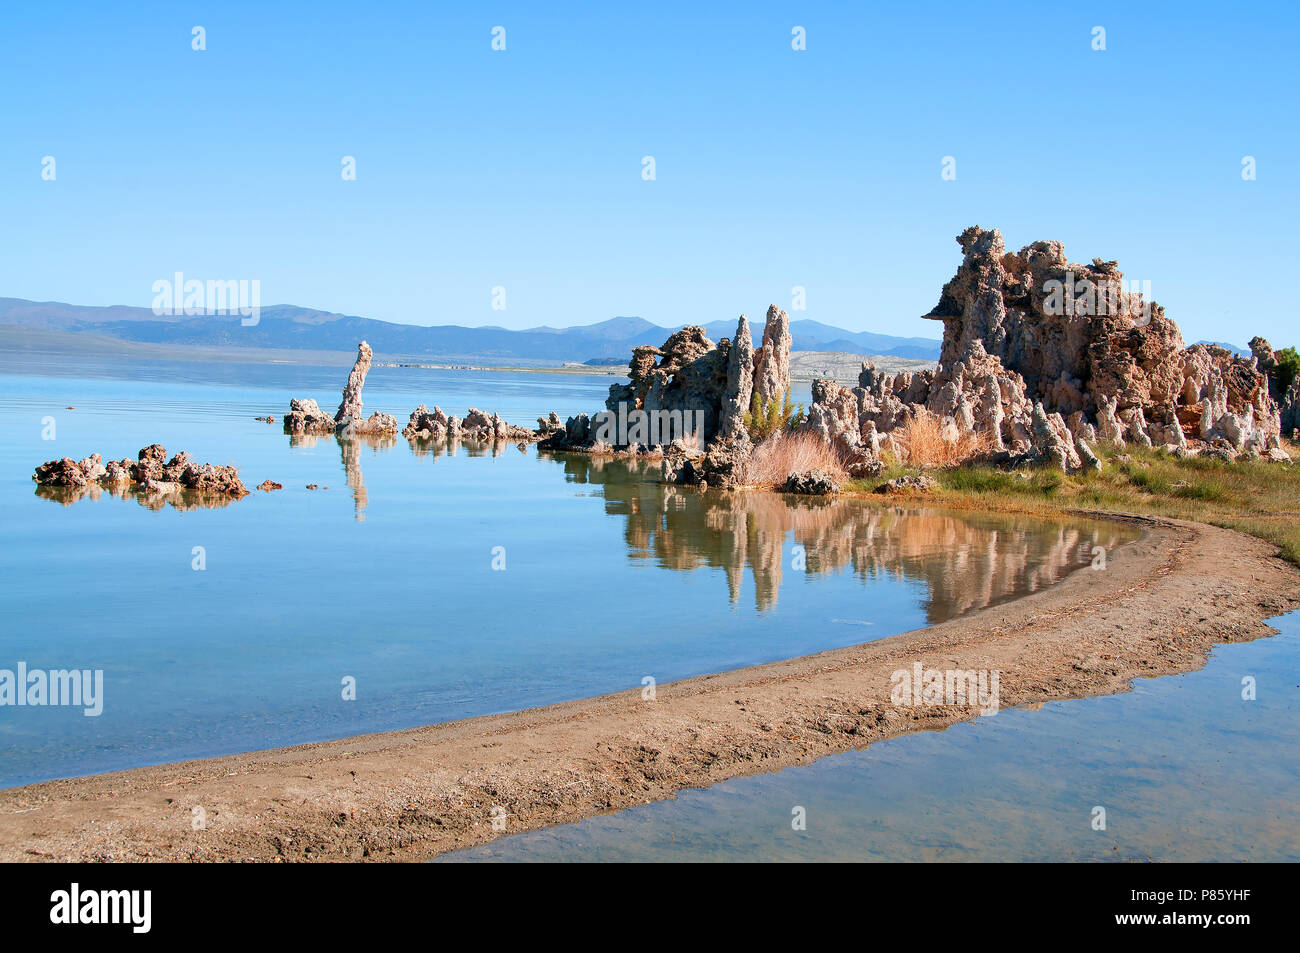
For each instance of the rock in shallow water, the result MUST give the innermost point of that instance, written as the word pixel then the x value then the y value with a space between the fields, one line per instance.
pixel 810 483
pixel 150 471
pixel 306 417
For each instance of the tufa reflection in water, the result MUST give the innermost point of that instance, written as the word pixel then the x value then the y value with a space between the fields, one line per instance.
pixel 967 561
pixel 154 499
pixel 350 448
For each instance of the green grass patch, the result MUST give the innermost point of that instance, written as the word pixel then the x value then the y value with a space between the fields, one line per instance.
pixel 1259 498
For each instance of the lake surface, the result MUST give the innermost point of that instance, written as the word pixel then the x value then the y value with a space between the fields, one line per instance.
pixel 390 573
pixel 1185 768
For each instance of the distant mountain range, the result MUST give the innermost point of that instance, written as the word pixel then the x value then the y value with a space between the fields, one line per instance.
pixel 285 326
pixel 1239 351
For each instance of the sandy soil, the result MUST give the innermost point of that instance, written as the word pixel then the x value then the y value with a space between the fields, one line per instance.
pixel 1161 604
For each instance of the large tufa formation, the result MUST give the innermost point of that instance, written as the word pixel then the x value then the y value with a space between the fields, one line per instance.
pixel 976 395
pixel 740 383
pixel 1042 357
pixel 306 417
pixel 691 379
pixel 690 376
pixel 772 360
pixel 1285 394
pixel 150 472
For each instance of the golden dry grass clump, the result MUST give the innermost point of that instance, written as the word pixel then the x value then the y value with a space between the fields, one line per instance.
pixel 926 440
pixel 785 452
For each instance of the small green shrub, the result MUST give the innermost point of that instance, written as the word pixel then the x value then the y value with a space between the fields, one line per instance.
pixel 1288 366
pixel 775 416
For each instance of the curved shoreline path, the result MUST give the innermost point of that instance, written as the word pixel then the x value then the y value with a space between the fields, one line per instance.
pixel 1162 602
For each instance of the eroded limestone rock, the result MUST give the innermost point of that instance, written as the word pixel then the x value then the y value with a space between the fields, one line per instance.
pixel 740 383
pixel 811 483
pixel 150 471
pixel 306 417
pixel 772 359
pixel 1032 328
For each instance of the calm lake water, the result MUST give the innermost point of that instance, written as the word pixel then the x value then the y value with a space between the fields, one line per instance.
pixel 1185 768
pixel 386 574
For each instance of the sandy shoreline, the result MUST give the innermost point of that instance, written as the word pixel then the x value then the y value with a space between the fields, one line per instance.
pixel 1158 608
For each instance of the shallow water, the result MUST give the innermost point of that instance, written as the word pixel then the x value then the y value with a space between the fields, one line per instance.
pixel 387 576
pixel 1185 768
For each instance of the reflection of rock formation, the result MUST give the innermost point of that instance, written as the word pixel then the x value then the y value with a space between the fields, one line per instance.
pixel 450 446
pixel 350 448
pixel 966 562
pixel 154 498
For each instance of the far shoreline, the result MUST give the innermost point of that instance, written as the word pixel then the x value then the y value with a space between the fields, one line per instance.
pixel 24 343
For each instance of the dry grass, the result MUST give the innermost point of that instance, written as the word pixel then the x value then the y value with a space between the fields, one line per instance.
pixel 1259 498
pixel 925 441
pixel 784 453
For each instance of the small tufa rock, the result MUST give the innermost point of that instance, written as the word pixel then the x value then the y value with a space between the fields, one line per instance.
pixel 269 485
pixel 426 424
pixel 306 417
pixel 866 470
pixel 907 484
pixel 810 483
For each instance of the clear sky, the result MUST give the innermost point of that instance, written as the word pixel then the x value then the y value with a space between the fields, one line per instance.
pixel 522 168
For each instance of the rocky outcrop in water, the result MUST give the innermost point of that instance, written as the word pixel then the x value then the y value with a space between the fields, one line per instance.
pixel 695 391
pixel 150 472
pixel 549 424
pixel 720 465
pixel 306 417
pixel 476 425
pixel 810 483
pixel 349 418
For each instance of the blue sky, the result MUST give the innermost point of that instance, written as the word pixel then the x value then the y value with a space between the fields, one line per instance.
pixel 522 169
